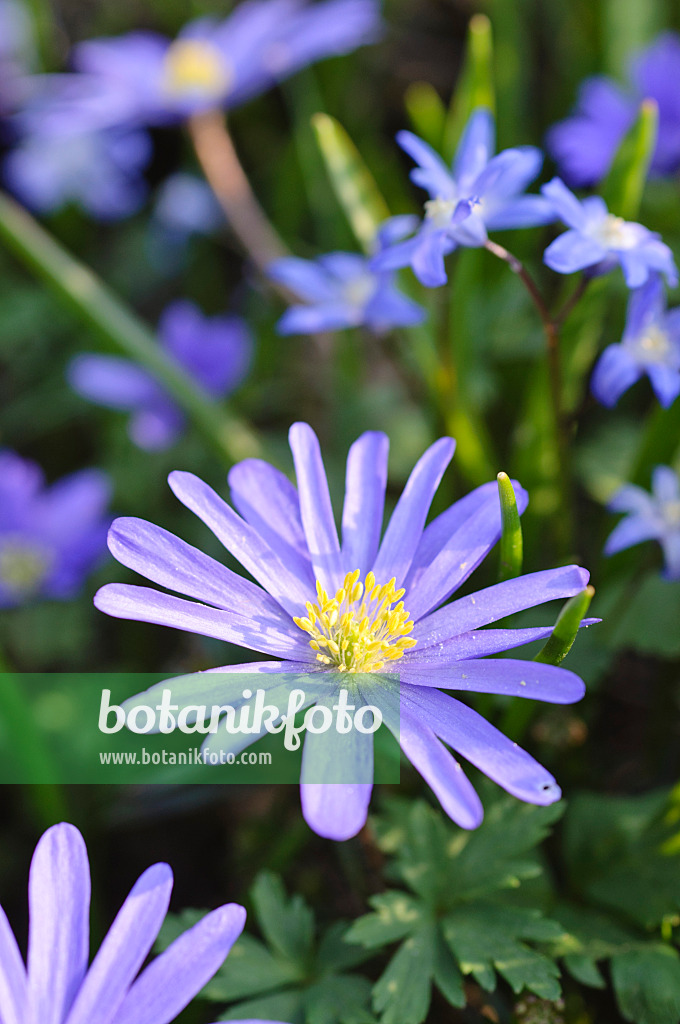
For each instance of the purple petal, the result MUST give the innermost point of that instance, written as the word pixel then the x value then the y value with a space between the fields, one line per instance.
pixel 315 506
pixel 572 251
pixel 665 484
pixel 521 212
pixel 496 602
pixel 396 256
pixel 670 544
pixel 330 316
pixel 499 675
pixel 631 531
pixel 666 383
pixel 125 948
pixel 12 976
pixel 428 257
pixel 59 907
pixel 482 744
pixel 143 604
pixel 566 205
pixel 111 381
pixel 335 810
pixel 631 498
pixel 614 373
pixel 362 514
pixel 172 980
pixel 305 278
pixel 475 148
pixel 646 307
pixel 405 528
pixel 475 644
pixel 242 541
pixel 153 430
pixel 439 176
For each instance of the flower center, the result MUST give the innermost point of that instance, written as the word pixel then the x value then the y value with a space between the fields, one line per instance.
pixel 671 513
pixel 359 290
pixel 194 66
pixel 361 628
pixel 617 233
pixel 440 211
pixel 654 345
pixel 22 567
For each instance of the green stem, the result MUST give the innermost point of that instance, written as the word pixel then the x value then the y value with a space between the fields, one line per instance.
pixel 91 299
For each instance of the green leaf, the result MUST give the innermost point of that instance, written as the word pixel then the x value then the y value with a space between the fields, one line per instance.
pixel 447 976
pixel 288 1006
pixel 250 970
pixel 337 951
pixel 396 915
pixel 352 182
pixel 623 187
pixel 647 985
pixel 475 86
pixel 511 545
pixel 402 993
pixel 561 640
pixel 288 924
pixel 337 998
pixel 426 112
pixel 487 936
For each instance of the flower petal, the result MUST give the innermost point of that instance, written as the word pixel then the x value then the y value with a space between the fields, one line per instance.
pixel 500 675
pixel 631 531
pixel 573 251
pixel 112 381
pixel 335 810
pixel 615 371
pixel 405 528
pixel 59 907
pixel 476 644
pixel 305 278
pixel 475 148
pixel 439 177
pixel 364 506
pixel 315 506
pixel 566 205
pixel 172 980
pixel 125 948
pixel 666 383
pixel 12 976
pixel 501 599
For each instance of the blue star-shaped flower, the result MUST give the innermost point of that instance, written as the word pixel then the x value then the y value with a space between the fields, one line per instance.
pixel 654 516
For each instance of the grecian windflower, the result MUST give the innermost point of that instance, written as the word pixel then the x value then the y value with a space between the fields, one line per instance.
pixel 50 537
pixel 479 193
pixel 341 289
pixel 343 612
pixel 654 516
pixel 650 344
pixel 56 986
pixel 143 77
pixel 598 241
pixel 585 143
pixel 215 351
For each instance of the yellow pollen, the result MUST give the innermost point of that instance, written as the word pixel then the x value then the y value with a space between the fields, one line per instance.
pixel 362 628
pixel 195 66
pixel 22 568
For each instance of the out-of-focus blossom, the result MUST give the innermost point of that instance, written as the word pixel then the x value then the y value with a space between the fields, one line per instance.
pixel 143 77
pixel 650 344
pixel 479 193
pixel 214 351
pixel 185 205
pixel 17 53
pixel 57 986
pixel 342 290
pixel 584 145
pixel 50 537
pixel 355 613
pixel 101 171
pixel 654 516
pixel 597 240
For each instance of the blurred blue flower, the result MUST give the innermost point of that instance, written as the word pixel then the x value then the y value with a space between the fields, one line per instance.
pixel 341 290
pixel 598 240
pixel 17 53
pixel 185 205
pixel 101 171
pixel 480 193
pixel 650 344
pixel 145 78
pixel 50 537
pixel 584 145
pixel 215 351
pixel 654 516
pixel 382 610
pixel 119 986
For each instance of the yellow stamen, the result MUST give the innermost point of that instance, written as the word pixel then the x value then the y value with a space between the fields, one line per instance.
pixel 358 635
pixel 195 66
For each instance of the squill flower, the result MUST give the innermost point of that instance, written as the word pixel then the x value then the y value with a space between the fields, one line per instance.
pixel 654 516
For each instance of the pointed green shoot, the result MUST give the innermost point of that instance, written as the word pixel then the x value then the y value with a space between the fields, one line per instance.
pixel 352 182
pixel 426 112
pixel 77 286
pixel 625 182
pixel 512 547
pixel 559 643
pixel 475 86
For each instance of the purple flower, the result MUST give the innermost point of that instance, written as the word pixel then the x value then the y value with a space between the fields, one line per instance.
pixel 101 171
pixel 214 351
pixel 598 240
pixel 650 344
pixel 143 77
pixel 185 205
pixel 654 516
pixel 286 539
pixel 342 290
pixel 480 193
pixel 50 537
pixel 584 145
pixel 57 987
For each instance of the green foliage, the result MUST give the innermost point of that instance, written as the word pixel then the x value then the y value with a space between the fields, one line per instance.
pixel 511 544
pixel 625 182
pixel 561 640
pixel 475 86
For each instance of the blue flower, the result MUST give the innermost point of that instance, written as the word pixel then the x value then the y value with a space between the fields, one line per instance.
pixel 50 537
pixel 17 53
pixel 342 289
pixel 584 145
pixel 650 344
pixel 382 605
pixel 56 985
pixel 143 77
pixel 598 240
pixel 480 193
pixel 215 351
pixel 100 170
pixel 654 516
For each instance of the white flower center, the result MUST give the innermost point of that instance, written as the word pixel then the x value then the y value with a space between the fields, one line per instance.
pixel 440 211
pixel 654 346
pixel 358 290
pixel 196 67
pixel 617 233
pixel 671 514
pixel 23 566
